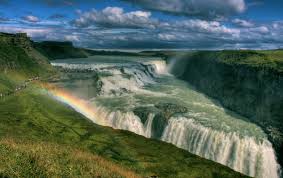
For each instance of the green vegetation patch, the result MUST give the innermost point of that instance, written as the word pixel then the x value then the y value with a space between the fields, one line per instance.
pixel 271 59
pixel 34 117
pixel 24 158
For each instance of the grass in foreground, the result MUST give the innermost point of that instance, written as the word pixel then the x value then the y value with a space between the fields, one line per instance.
pixel 42 137
pixel 44 159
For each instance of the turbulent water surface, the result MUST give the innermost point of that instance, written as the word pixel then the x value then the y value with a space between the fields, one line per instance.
pixel 203 128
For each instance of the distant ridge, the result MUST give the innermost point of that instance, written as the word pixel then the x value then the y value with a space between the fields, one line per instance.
pixel 20 61
pixel 60 50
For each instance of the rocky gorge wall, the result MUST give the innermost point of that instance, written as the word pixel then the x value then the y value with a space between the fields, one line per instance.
pixel 254 91
pixel 18 39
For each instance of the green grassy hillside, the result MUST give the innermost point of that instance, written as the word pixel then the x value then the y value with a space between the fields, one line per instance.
pixel 263 59
pixel 272 59
pixel 18 64
pixel 24 158
pixel 39 135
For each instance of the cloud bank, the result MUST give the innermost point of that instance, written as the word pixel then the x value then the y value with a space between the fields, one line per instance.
pixel 115 17
pixel 199 8
pixel 202 26
pixel 31 18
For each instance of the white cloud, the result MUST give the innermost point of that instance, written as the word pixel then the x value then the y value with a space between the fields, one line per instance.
pixel 242 23
pixel 115 17
pixel 203 26
pixel 31 18
pixel 114 27
pixel 277 25
pixel 260 29
pixel 120 30
pixel 73 38
pixel 201 8
pixel 167 37
pixel 32 32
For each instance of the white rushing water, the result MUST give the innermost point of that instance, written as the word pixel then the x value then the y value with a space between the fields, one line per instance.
pixel 148 125
pixel 206 129
pixel 245 154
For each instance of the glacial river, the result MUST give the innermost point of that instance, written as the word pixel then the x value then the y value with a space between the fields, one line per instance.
pixel 205 128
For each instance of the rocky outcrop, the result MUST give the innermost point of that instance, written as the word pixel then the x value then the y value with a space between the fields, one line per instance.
pixel 162 112
pixel 253 90
pixel 18 39
pixel 169 109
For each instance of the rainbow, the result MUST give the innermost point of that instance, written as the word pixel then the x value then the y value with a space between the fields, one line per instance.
pixel 84 107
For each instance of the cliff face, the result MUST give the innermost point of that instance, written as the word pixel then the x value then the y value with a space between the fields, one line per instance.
pixel 19 39
pixel 253 90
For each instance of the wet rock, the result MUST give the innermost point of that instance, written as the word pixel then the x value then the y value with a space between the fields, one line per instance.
pixel 143 112
pixel 162 112
pixel 169 109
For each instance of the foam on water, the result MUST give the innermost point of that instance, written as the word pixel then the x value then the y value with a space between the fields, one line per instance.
pixel 243 154
pixel 124 121
pixel 160 66
pixel 148 125
pixel 207 131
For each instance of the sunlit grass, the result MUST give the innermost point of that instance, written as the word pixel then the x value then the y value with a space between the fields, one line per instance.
pixel 25 158
pixel 37 131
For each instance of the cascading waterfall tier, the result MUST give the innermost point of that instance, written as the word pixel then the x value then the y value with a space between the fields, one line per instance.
pixel 210 133
pixel 243 154
pixel 126 121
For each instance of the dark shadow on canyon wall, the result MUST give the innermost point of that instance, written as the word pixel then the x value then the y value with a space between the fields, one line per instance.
pixel 235 81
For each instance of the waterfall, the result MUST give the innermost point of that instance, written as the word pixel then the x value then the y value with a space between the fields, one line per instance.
pixel 211 133
pixel 126 121
pixel 160 66
pixel 243 154
pixel 148 125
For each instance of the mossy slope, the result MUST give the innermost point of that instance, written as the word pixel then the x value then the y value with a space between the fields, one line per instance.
pixel 35 118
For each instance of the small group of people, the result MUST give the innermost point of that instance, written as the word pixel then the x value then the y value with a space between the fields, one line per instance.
pixel 18 88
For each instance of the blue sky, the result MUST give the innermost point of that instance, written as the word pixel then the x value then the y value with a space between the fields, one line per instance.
pixel 189 24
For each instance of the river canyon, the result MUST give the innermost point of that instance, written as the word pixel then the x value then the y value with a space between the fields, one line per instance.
pixel 139 94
